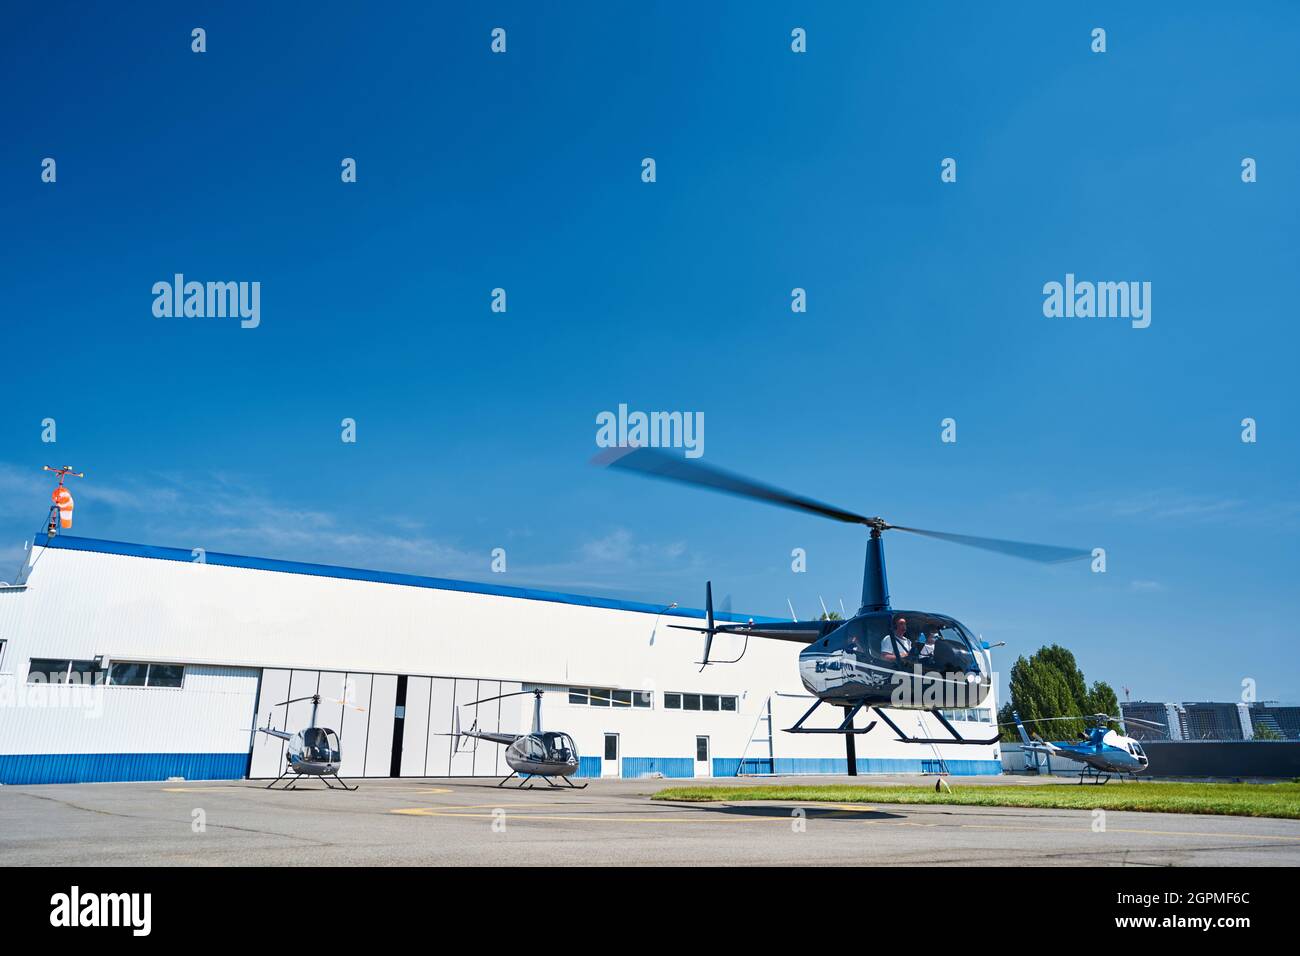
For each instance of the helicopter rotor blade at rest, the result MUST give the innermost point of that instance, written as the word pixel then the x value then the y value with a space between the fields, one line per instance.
pixel 517 693
pixel 322 700
pixel 656 463
pixel 1095 718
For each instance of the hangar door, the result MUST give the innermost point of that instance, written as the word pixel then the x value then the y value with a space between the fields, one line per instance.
pixel 388 725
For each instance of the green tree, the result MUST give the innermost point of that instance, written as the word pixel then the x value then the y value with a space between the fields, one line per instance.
pixel 1101 699
pixel 1265 732
pixel 1050 684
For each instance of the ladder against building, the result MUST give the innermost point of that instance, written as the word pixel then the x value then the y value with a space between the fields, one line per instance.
pixel 938 765
pixel 762 761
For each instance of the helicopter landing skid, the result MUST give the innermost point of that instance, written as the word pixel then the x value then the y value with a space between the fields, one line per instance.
pixel 956 738
pixel 525 782
pixel 845 727
pixel 1096 777
pixel 323 778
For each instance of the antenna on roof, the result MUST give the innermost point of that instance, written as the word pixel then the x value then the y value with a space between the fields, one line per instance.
pixel 61 510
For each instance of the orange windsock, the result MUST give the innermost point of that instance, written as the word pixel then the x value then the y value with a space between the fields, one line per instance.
pixel 62 498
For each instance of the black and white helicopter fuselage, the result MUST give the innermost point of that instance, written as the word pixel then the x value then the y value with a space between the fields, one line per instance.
pixel 311 752
pixel 880 658
pixel 539 753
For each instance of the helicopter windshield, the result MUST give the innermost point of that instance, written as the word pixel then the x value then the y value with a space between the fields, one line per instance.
pixel 560 747
pixel 529 747
pixel 321 744
pixel 933 643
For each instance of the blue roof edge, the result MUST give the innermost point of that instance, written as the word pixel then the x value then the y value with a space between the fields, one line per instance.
pixel 220 559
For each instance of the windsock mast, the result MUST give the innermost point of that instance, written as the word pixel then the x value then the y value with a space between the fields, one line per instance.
pixel 61 509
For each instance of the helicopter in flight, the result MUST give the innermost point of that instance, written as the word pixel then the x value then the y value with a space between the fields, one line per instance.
pixel 878 658
pixel 538 753
pixel 1102 750
pixel 312 752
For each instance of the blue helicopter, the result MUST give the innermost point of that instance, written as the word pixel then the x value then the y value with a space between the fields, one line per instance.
pixel 1103 752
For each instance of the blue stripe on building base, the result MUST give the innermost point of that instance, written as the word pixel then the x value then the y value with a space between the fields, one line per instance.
pixel 17 769
pixel 649 766
pixel 588 767
pixel 726 766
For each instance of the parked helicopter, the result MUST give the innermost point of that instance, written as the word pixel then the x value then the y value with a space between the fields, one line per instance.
pixel 539 753
pixel 313 751
pixel 1102 751
pixel 878 658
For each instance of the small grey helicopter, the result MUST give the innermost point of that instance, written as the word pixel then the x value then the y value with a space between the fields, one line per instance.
pixel 1103 752
pixel 881 657
pixel 539 753
pixel 312 752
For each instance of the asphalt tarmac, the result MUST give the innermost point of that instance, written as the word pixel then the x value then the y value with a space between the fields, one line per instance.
pixel 467 822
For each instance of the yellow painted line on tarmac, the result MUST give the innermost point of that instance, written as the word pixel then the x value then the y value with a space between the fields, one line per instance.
pixel 597 816
pixel 584 818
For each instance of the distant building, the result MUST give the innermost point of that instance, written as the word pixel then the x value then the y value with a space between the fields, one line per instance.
pixel 1208 720
pixel 1168 716
pixel 1282 719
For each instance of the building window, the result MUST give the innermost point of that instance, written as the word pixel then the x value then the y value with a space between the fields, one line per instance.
pixel 979 715
pixel 137 674
pixel 166 675
pixel 702 749
pixel 128 675
pixel 605 697
pixel 712 703
pixel 2 656
pixel 45 670
pixel 611 746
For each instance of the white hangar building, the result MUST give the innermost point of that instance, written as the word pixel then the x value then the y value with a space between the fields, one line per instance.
pixel 134 662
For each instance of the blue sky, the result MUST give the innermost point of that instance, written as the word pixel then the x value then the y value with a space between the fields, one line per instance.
pixel 775 171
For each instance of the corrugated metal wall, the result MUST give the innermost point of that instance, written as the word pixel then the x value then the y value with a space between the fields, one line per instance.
pixel 365 724
pixel 50 733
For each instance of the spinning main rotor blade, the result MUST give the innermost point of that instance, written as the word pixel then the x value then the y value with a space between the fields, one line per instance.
pixel 659 464
pixel 1044 553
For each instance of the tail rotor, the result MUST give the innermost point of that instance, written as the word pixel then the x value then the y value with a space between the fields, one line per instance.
pixel 710 626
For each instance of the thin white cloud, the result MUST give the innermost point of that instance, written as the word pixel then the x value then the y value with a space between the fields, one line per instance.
pixel 224 513
pixel 1145 586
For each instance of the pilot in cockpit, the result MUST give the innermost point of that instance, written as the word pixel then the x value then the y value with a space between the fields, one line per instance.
pixel 896 645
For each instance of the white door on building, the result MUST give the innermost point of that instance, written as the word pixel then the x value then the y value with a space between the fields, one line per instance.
pixel 609 764
pixel 703 765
